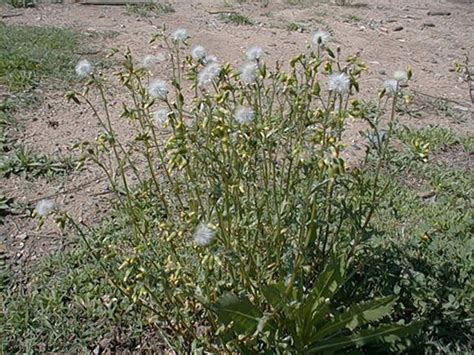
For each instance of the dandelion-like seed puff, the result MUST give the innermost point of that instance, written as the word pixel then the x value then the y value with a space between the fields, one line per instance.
pixel 44 207
pixel 248 73
pixel 210 59
pixel 203 235
pixel 339 83
pixel 84 68
pixel 254 54
pixel 391 86
pixel 400 75
pixel 208 74
pixel 151 61
pixel 161 116
pixel 180 35
pixel 321 38
pixel 158 89
pixel 199 53
pixel 244 114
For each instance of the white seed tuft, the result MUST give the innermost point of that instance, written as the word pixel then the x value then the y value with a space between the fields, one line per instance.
pixel 199 53
pixel 150 61
pixel 208 74
pixel 83 68
pixel 391 86
pixel 244 114
pixel 321 38
pixel 161 116
pixel 254 54
pixel 44 207
pixel 339 83
pixel 158 89
pixel 400 75
pixel 210 59
pixel 248 73
pixel 203 235
pixel 180 35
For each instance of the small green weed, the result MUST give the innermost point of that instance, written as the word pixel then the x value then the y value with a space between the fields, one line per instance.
pixel 343 2
pixel 354 18
pixel 295 26
pixel 24 162
pixel 235 18
pixel 428 140
pixel 466 70
pixel 21 3
pixel 5 207
pixel 150 9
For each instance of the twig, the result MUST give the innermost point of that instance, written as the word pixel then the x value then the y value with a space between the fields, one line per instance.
pixel 12 14
pixel 215 12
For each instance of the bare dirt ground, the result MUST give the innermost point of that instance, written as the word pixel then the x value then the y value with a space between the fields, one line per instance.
pixel 388 34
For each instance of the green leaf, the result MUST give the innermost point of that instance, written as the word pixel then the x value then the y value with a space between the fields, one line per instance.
pixel 328 283
pixel 331 53
pixel 389 333
pixel 275 295
pixel 243 314
pixel 357 316
pixel 315 307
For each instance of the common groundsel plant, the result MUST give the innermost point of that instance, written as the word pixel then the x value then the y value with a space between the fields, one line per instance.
pixel 236 217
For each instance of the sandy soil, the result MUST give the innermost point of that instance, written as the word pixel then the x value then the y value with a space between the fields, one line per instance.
pixel 389 34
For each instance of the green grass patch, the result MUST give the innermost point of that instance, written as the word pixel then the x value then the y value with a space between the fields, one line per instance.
pixel 422 248
pixel 34 56
pixel 23 161
pixel 66 306
pixel 150 9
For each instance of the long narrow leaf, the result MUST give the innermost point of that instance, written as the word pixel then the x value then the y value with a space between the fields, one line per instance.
pixel 390 333
pixel 357 316
pixel 275 295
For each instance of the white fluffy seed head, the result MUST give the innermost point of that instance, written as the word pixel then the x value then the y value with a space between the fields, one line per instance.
pixel 203 235
pixel 321 38
pixel 150 61
pixel 248 73
pixel 339 83
pixel 180 35
pixel 199 53
pixel 43 207
pixel 210 59
pixel 158 89
pixel 391 86
pixel 208 74
pixel 83 68
pixel 161 116
pixel 400 75
pixel 244 114
pixel 254 53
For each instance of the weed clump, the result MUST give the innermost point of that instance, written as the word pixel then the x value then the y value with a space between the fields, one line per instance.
pixel 245 221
